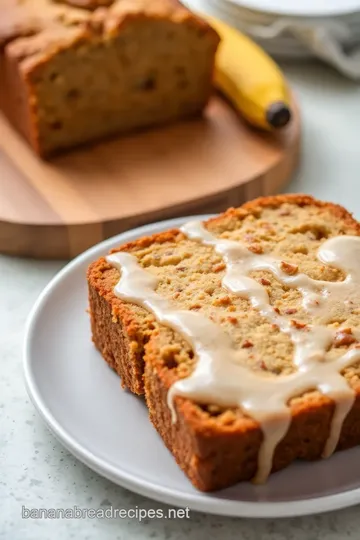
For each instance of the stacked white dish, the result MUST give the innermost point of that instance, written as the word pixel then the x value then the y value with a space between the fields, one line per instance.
pixel 327 29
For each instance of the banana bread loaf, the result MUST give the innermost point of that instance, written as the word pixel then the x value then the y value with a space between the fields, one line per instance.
pixel 242 332
pixel 73 71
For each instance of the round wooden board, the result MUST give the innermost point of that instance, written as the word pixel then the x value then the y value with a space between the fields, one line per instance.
pixel 60 208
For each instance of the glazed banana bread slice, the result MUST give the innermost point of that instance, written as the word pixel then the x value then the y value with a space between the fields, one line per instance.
pixel 76 71
pixel 214 370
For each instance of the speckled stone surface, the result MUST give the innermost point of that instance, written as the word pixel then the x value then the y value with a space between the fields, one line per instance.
pixel 35 471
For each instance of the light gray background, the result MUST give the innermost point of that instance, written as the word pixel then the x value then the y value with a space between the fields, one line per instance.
pixel 36 471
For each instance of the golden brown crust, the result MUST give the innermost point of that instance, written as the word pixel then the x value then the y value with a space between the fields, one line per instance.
pixel 218 450
pixel 115 339
pixel 115 327
pixel 42 19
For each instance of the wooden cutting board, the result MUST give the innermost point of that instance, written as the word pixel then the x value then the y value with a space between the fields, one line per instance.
pixel 59 208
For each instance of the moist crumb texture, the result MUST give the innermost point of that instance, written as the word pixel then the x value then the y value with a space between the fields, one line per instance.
pixel 74 71
pixel 218 446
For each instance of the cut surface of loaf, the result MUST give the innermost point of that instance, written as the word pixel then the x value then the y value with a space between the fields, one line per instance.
pixel 77 71
pixel 218 445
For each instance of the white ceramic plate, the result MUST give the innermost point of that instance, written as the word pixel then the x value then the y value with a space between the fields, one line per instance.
pixel 81 401
pixel 305 8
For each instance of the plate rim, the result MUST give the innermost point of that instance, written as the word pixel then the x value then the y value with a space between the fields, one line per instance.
pixel 334 12
pixel 198 501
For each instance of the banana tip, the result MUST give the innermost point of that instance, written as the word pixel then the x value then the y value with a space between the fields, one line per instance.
pixel 278 114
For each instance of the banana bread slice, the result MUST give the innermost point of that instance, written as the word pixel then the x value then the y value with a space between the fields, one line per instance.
pixel 74 71
pixel 217 445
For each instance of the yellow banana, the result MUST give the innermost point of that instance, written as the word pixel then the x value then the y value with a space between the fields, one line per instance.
pixel 250 79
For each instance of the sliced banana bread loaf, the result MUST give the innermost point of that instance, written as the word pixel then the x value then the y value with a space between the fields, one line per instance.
pixel 73 71
pixel 243 332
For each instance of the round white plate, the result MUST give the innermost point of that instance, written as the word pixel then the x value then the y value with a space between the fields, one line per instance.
pixel 82 402
pixel 305 8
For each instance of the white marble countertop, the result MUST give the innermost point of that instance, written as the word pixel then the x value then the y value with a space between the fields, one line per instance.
pixel 36 471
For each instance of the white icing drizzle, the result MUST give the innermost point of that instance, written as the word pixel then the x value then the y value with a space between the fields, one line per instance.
pixel 219 376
